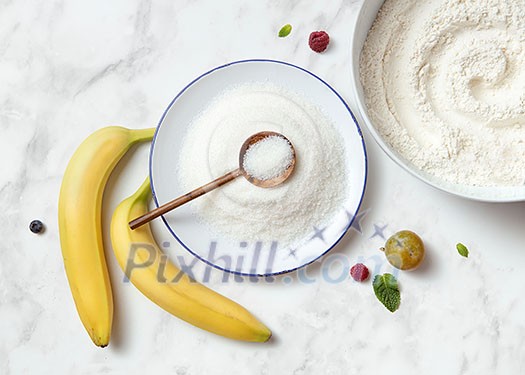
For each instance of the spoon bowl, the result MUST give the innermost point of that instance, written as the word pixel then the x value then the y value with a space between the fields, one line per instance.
pixel 269 183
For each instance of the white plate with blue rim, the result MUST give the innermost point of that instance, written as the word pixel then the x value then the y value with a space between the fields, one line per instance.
pixel 197 237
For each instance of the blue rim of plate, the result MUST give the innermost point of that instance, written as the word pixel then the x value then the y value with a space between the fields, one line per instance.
pixel 153 185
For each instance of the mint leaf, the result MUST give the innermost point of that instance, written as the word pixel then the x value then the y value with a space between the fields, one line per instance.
pixel 462 250
pixel 386 290
pixel 285 31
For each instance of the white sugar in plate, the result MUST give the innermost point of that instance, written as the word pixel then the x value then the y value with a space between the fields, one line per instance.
pixel 284 214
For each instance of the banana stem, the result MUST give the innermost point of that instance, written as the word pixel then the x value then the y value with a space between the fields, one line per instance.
pixel 144 192
pixel 141 135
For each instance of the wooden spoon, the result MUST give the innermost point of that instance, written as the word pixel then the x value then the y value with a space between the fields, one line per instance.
pixel 138 222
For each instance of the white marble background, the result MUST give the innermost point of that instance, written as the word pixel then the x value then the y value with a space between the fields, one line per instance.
pixel 70 67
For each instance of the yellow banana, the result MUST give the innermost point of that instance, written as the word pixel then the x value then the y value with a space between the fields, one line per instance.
pixel 79 219
pixel 185 298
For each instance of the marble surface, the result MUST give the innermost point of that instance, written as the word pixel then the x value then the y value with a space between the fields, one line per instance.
pixel 68 68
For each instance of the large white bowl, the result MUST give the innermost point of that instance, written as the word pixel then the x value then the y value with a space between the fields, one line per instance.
pixel 365 19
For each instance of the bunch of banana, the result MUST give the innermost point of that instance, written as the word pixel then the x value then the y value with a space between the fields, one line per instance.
pixel 79 219
pixel 184 298
pixel 79 216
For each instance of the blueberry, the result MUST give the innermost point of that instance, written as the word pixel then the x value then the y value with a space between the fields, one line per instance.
pixel 36 226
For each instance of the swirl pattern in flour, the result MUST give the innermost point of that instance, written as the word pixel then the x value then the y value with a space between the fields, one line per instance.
pixel 444 83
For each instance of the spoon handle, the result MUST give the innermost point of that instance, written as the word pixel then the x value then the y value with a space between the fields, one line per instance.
pixel 183 199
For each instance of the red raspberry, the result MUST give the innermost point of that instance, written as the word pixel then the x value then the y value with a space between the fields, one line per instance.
pixel 318 41
pixel 359 272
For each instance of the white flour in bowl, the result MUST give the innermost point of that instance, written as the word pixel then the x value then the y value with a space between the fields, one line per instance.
pixel 288 213
pixel 444 83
